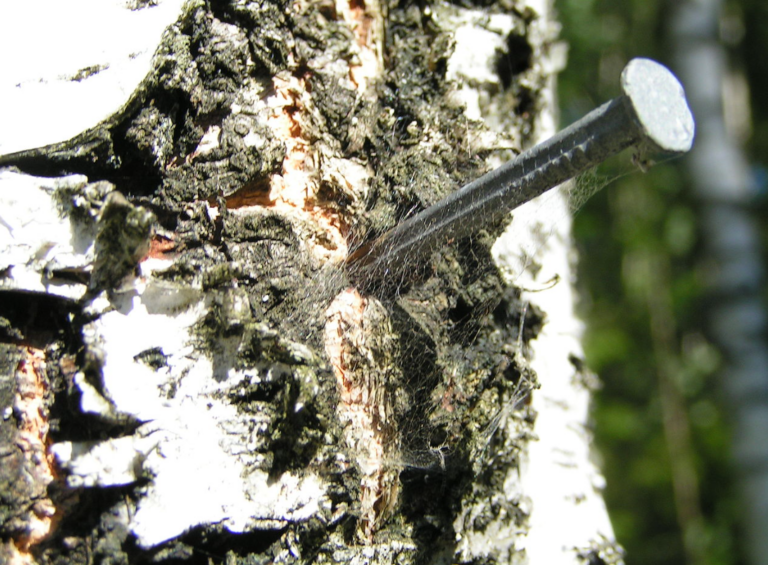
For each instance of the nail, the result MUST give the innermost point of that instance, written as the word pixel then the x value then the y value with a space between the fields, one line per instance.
pixel 651 115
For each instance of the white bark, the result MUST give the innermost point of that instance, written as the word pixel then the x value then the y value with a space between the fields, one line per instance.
pixel 71 65
pixel 194 446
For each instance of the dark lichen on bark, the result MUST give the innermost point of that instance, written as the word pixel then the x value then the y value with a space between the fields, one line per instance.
pixel 418 142
pixel 601 552
pixel 17 483
pixel 458 326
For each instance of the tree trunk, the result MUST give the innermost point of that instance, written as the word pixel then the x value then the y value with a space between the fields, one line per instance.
pixel 189 372
pixel 725 192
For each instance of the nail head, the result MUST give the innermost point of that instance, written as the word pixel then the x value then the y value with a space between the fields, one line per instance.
pixel 658 100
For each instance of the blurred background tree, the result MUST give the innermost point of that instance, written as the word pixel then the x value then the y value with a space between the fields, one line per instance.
pixel 673 285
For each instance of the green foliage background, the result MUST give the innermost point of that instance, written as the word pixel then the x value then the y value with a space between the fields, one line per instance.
pixel 645 302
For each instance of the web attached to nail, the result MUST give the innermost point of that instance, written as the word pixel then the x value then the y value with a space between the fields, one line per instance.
pixel 540 223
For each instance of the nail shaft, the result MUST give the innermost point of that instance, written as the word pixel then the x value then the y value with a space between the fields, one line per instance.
pixel 652 115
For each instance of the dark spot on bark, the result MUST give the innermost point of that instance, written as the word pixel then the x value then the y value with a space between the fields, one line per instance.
pixel 526 103
pixel 87 72
pixel 202 546
pixel 35 319
pixel 94 530
pixel 153 358
pixel 516 60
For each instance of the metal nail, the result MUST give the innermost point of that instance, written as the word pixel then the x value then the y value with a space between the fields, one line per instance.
pixel 652 115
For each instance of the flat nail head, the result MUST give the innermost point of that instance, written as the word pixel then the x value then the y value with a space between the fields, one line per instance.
pixel 658 100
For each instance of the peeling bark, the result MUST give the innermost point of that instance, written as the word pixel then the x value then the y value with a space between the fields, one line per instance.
pixel 221 392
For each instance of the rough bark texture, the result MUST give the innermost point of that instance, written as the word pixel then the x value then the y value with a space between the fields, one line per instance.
pixel 215 390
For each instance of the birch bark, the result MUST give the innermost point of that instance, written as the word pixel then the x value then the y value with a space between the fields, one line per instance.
pixel 204 385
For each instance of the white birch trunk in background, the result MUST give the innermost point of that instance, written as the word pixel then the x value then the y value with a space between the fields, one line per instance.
pixel 225 434
pixel 724 190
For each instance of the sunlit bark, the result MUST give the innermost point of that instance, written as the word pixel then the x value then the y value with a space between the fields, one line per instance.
pixel 208 385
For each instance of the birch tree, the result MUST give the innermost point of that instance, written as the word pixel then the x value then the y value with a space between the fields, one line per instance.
pixel 724 189
pixel 188 372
